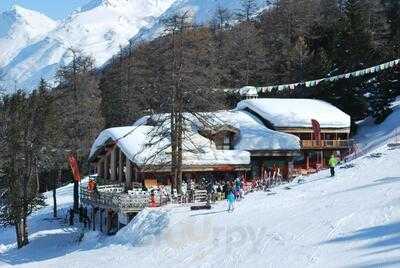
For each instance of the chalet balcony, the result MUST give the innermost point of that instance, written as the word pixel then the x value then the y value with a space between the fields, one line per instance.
pixel 326 144
pixel 114 197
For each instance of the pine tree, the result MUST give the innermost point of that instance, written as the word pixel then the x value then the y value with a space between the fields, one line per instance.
pixel 354 47
pixel 392 8
pixel 78 106
pixel 22 142
pixel 246 44
pixel 382 91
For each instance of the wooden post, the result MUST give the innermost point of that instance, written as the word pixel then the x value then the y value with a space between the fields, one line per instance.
pixel 120 165
pixel 322 159
pixel 136 174
pixel 94 218
pixel 100 168
pixel 106 167
pixel 128 172
pixel 101 220
pixel 307 161
pixel 113 163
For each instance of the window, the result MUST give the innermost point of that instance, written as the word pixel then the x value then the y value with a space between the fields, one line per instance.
pixel 227 143
pixel 224 142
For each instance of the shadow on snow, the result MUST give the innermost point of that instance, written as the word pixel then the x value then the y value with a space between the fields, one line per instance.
pixel 379 240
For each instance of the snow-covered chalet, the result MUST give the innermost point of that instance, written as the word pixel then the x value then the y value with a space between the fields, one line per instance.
pixel 257 135
pixel 295 116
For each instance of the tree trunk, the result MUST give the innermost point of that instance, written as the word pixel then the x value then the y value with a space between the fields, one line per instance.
pixel 76 195
pixel 25 231
pixel 18 234
pixel 179 157
pixel 56 180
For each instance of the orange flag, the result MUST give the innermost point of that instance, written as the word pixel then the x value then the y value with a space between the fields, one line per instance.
pixel 73 163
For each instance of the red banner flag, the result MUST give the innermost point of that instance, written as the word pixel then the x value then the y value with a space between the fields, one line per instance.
pixel 317 129
pixel 73 163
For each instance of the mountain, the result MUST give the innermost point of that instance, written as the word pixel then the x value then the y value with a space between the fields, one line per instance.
pixel 99 29
pixel 20 27
pixel 201 11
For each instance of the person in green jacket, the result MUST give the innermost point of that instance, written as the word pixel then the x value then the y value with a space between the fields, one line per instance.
pixel 332 164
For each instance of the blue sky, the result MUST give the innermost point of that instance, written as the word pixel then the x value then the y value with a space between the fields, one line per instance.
pixel 56 9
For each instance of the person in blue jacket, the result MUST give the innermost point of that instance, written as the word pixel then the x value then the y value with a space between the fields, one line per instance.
pixel 231 201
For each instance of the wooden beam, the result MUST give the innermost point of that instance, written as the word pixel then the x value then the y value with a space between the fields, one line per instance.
pixel 128 172
pixel 106 167
pixel 113 166
pixel 120 165
pixel 100 168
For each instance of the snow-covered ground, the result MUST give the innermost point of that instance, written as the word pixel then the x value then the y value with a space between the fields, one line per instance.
pixel 352 220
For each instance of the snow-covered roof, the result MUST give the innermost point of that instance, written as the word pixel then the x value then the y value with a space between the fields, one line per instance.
pixel 138 144
pixel 285 113
pixel 253 135
pixel 248 91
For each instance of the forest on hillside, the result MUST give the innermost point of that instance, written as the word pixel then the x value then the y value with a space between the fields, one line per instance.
pixel 291 41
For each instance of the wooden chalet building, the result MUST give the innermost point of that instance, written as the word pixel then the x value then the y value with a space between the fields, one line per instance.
pixel 295 116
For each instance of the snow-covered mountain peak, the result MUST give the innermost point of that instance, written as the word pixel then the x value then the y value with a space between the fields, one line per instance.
pixel 19 15
pixel 124 3
pixel 19 10
pixel 99 29
pixel 200 12
pixel 19 27
pixel 98 3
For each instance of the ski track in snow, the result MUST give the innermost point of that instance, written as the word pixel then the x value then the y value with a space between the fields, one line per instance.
pixel 352 220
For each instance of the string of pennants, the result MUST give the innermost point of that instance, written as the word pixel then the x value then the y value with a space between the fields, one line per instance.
pixel 314 83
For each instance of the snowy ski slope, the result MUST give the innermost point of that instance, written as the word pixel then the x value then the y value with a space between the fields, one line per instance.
pixel 371 136
pixel 352 220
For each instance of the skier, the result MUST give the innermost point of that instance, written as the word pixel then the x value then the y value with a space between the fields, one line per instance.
pixel 231 201
pixel 225 189
pixel 332 164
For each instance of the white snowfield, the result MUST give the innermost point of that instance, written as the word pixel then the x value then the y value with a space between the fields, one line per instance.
pixel 297 112
pixel 141 146
pixel 352 220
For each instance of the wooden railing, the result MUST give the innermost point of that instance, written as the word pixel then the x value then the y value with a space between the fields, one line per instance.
pixel 326 144
pixel 116 199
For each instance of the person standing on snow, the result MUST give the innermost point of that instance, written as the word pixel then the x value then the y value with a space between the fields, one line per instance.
pixel 238 186
pixel 231 201
pixel 332 164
